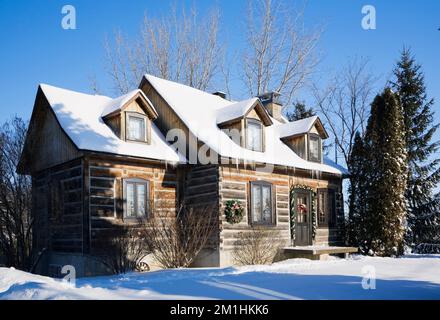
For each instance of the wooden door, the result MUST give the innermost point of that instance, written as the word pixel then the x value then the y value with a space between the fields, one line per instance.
pixel 302 218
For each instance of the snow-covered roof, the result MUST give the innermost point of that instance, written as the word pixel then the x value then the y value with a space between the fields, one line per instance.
pixel 294 128
pixel 237 110
pixel 200 112
pixel 116 104
pixel 80 116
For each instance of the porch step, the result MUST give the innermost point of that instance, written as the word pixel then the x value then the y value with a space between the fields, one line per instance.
pixel 317 252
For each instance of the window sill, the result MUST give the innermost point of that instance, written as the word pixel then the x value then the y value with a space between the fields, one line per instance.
pixel 137 141
pixel 133 220
pixel 262 224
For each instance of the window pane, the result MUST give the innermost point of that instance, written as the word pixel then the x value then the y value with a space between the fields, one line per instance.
pixel 131 210
pixel 136 128
pixel 314 149
pixel 267 204
pixel 140 199
pixel 256 203
pixel 302 208
pixel 254 141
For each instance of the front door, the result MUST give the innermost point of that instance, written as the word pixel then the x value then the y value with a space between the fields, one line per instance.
pixel 302 218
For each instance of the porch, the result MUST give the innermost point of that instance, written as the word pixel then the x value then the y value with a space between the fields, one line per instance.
pixel 317 252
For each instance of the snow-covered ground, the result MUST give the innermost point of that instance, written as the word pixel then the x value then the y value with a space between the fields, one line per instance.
pixel 410 277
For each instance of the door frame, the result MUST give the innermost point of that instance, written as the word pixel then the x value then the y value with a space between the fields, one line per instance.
pixel 293 193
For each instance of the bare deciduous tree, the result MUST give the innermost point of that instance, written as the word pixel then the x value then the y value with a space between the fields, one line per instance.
pixel 176 242
pixel 257 246
pixel 279 54
pixel 15 198
pixel 181 47
pixel 344 104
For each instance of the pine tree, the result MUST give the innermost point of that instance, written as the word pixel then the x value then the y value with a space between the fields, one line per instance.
pixel 300 111
pixel 357 191
pixel 384 218
pixel 423 169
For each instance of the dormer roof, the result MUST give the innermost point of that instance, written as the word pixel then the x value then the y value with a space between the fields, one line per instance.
pixel 118 104
pixel 240 109
pixel 300 127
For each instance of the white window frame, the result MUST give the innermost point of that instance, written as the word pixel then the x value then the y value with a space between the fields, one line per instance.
pixel 262 184
pixel 309 150
pixel 255 121
pixel 127 126
pixel 136 182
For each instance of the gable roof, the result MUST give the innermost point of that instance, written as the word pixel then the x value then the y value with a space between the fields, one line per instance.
pixel 200 111
pixel 80 116
pixel 118 104
pixel 294 128
pixel 240 109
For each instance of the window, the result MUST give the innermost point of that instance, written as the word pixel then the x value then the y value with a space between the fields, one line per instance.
pixel 136 128
pixel 254 138
pixel 261 203
pixel 314 148
pixel 326 208
pixel 136 198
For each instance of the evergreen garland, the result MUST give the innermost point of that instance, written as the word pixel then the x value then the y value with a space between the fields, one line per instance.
pixel 293 211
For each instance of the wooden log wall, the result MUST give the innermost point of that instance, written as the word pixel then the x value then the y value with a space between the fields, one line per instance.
pixel 58 208
pixel 106 199
pixel 235 185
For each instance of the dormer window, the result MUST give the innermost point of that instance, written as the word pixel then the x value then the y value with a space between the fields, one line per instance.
pixel 304 137
pixel 130 117
pixel 314 148
pixel 248 117
pixel 136 127
pixel 254 135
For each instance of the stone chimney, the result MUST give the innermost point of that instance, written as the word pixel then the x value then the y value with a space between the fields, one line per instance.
pixel 221 94
pixel 271 101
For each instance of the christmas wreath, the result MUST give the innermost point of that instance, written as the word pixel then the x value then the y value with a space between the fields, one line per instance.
pixel 233 211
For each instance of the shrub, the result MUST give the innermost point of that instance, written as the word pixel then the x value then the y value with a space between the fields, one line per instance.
pixel 258 245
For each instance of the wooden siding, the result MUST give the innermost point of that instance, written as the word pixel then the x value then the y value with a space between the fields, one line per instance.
pixel 47 145
pixel 235 185
pixel 298 145
pixel 58 208
pixel 106 198
pixel 235 127
pixel 201 185
pixel 168 120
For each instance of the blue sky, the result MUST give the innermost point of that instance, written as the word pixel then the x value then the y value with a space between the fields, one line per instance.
pixel 35 49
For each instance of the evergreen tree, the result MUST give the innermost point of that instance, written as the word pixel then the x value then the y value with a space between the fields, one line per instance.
pixel 423 169
pixel 385 208
pixel 300 111
pixel 356 191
